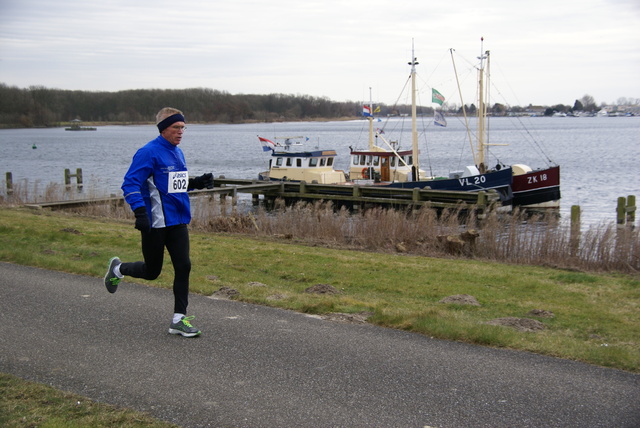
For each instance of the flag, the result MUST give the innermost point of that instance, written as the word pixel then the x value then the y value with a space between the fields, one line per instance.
pixel 366 111
pixel 377 110
pixel 267 144
pixel 436 97
pixel 438 118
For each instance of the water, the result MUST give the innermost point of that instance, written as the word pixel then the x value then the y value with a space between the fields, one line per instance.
pixel 598 156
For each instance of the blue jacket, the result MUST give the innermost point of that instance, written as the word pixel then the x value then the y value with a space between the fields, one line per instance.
pixel 157 179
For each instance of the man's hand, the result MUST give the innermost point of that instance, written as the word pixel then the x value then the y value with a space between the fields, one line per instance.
pixel 142 220
pixel 205 180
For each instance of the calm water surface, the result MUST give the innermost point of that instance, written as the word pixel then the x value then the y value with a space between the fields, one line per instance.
pixel 598 156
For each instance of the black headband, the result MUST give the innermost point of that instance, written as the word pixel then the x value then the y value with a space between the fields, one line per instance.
pixel 170 121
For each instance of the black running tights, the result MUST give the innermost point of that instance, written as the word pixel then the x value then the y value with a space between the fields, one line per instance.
pixel 176 240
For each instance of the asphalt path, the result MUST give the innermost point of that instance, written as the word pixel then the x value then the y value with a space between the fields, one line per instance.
pixel 256 366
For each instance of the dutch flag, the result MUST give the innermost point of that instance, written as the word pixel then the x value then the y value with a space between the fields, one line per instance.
pixel 267 144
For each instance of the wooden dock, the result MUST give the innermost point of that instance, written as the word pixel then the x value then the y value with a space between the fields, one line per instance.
pixel 351 196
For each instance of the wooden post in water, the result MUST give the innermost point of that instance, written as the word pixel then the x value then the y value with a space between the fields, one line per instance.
pixel 575 229
pixel 9 180
pixel 626 211
pixel 79 183
pixel 68 176
pixel 621 211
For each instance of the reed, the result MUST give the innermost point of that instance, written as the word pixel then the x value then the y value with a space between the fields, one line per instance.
pixel 516 237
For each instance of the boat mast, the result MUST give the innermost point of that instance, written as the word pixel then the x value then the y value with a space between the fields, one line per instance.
pixel 370 118
pixel 482 112
pixel 415 167
pixel 464 109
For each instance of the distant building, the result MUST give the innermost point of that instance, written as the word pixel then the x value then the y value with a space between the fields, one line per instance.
pixel 535 110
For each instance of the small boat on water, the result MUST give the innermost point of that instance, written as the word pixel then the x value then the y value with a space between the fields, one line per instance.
pixel 289 164
pixel 76 125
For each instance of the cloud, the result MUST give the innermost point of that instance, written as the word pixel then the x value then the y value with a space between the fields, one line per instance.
pixel 552 51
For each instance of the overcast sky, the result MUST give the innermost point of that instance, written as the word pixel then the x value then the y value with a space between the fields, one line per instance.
pixel 542 51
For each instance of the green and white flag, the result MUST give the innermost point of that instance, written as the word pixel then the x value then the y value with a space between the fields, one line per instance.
pixel 436 97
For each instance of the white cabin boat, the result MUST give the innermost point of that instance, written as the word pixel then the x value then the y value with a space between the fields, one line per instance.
pixel 312 166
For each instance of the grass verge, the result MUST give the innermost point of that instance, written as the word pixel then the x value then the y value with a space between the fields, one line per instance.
pixel 28 404
pixel 596 317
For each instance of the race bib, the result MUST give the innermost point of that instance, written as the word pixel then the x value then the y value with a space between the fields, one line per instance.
pixel 178 181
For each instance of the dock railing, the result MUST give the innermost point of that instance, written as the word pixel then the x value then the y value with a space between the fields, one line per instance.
pixel 355 197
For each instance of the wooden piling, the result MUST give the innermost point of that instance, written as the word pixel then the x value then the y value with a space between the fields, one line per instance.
pixel 9 181
pixel 626 211
pixel 68 176
pixel 575 230
pixel 631 209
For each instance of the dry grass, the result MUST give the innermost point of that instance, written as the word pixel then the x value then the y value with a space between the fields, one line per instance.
pixel 515 237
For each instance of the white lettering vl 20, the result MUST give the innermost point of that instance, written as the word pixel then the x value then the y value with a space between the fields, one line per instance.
pixel 472 181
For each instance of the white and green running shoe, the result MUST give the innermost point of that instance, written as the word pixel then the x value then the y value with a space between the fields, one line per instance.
pixel 184 327
pixel 111 280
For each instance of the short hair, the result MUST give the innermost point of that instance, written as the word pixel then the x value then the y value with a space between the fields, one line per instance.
pixel 165 113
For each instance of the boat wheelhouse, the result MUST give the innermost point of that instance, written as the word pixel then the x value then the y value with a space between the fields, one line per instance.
pixel 380 165
pixel 312 166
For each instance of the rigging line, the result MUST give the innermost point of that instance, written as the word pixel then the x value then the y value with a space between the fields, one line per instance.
pixel 525 131
pixel 464 111
pixel 426 142
pixel 397 101
pixel 538 144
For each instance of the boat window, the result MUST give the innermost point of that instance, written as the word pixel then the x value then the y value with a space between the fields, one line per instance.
pixel 369 160
pixel 289 162
pixel 279 162
pixel 330 162
pixel 409 160
pixel 362 159
pixel 393 161
pixel 323 161
pixel 376 160
pixel 313 162
pixel 298 162
pixel 385 161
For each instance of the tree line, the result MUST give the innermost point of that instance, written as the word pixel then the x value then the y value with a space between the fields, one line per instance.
pixel 38 106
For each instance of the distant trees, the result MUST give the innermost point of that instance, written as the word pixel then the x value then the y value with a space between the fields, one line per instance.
pixel 38 106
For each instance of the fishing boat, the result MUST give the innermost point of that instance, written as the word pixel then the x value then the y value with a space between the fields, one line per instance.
pixel 517 184
pixel 531 189
pixel 390 167
pixel 536 189
pixel 288 163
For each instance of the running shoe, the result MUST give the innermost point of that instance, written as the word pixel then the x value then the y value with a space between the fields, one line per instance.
pixel 111 280
pixel 184 327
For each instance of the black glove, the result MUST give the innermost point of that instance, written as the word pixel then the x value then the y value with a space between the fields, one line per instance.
pixel 205 180
pixel 142 220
